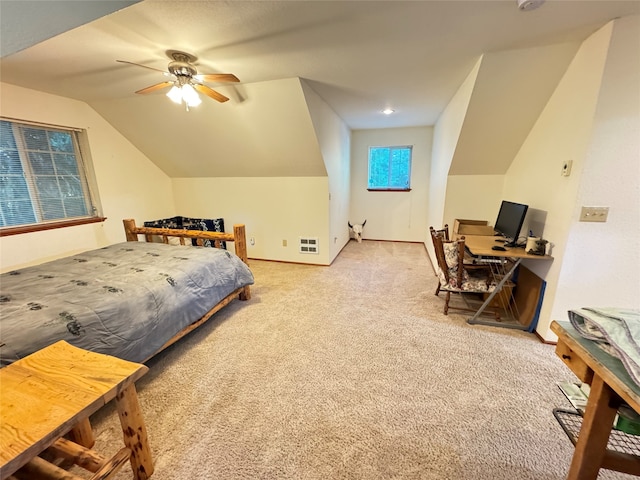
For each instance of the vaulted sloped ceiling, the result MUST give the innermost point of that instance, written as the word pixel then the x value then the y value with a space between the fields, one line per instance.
pixel 25 23
pixel 511 90
pixel 359 56
pixel 264 131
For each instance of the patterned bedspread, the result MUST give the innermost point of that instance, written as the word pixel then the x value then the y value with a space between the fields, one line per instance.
pixel 615 330
pixel 124 300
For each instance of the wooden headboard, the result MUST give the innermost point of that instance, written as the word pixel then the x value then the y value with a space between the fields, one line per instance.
pixel 238 237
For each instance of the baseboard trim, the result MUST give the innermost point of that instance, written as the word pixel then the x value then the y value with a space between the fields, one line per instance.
pixel 350 240
pixel 542 340
pixel 288 261
pixel 392 241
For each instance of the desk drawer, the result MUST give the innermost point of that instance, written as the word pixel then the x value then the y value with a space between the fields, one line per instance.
pixel 574 362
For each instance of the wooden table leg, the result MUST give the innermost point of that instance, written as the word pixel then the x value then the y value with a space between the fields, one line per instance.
pixel 594 433
pixel 135 432
pixel 82 434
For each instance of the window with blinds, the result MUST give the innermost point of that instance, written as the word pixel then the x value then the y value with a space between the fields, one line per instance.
pixel 43 176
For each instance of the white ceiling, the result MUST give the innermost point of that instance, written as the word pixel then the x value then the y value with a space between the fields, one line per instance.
pixel 359 56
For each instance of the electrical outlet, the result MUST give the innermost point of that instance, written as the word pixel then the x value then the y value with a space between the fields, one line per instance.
pixel 252 241
pixel 284 243
pixel 594 214
pixel 566 168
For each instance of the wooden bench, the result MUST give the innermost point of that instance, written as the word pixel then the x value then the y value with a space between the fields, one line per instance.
pixel 50 394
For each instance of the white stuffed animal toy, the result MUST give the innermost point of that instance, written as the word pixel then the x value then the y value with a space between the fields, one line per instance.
pixel 356 229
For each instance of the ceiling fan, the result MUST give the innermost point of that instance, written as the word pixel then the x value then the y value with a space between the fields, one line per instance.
pixel 186 80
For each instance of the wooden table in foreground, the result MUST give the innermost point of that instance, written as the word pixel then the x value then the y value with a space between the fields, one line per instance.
pixel 52 393
pixel 610 383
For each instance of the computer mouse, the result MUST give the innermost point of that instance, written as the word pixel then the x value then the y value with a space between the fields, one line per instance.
pixel 498 247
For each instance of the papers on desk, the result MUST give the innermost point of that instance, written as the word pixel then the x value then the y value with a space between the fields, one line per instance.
pixel 576 393
pixel 626 420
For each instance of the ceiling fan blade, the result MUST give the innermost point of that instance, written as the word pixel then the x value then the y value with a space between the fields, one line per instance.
pixel 209 92
pixel 144 66
pixel 217 77
pixel 155 87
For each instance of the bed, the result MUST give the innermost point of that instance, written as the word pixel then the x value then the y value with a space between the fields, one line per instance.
pixel 130 300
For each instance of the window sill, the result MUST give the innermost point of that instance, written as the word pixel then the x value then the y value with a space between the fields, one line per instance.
pixel 388 189
pixel 5 232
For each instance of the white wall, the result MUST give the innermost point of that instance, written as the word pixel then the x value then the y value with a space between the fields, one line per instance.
pixel 130 186
pixel 593 119
pixel 601 262
pixel 475 197
pixel 265 130
pixel 509 93
pixel 273 209
pixel 445 138
pixel 334 138
pixel 562 132
pixel 399 216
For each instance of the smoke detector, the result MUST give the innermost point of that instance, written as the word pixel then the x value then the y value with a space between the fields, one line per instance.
pixel 527 5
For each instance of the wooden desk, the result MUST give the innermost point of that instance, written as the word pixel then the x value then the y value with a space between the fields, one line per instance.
pixel 45 395
pixel 481 246
pixel 609 384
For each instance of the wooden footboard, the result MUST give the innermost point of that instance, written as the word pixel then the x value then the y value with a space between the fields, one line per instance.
pixel 238 237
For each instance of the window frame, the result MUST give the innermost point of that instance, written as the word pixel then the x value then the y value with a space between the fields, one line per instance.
pixel 85 171
pixel 388 188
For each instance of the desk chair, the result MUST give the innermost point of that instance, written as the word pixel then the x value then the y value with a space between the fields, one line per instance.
pixel 443 233
pixel 469 264
pixel 453 275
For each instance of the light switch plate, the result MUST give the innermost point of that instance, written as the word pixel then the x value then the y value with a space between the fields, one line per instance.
pixel 594 214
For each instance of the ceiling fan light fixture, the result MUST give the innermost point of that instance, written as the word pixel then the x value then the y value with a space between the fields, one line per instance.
pixel 184 93
pixel 527 5
pixel 175 94
pixel 187 83
pixel 190 96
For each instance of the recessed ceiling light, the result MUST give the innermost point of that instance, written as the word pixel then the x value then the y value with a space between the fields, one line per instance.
pixel 388 111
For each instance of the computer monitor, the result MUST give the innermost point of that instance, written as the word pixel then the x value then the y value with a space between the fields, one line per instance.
pixel 510 220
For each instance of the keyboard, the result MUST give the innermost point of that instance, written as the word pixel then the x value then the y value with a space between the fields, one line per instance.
pixel 481 259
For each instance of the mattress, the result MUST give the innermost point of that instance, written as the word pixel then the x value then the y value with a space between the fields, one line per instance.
pixel 125 300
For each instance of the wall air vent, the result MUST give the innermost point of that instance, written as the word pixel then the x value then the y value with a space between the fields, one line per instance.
pixel 309 245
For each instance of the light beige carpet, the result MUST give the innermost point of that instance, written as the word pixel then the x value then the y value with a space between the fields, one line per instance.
pixel 351 372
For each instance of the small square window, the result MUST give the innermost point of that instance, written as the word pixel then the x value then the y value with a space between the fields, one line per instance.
pixel 390 168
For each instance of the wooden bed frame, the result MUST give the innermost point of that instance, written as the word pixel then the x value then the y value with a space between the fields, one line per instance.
pixel 238 237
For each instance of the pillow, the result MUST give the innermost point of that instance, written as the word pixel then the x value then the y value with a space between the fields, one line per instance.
pixel 203 224
pixel 451 254
pixel 207 225
pixel 175 241
pixel 173 222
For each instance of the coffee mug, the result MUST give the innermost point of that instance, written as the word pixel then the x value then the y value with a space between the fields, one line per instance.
pixel 531 244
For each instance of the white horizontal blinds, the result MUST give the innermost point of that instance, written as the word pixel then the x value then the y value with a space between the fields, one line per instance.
pixel 42 176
